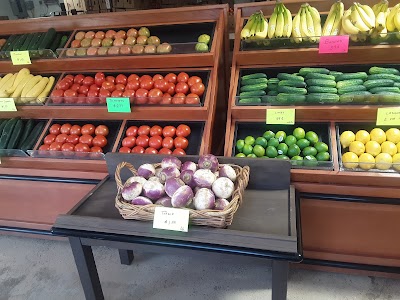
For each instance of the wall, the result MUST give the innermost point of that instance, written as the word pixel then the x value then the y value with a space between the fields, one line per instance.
pixel 38 11
pixel 5 9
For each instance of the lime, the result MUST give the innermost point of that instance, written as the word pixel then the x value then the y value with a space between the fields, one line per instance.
pixel 383 161
pixel 346 138
pixel 282 149
pixel 321 147
pixel 249 140
pixel 303 143
pixel 323 156
pixel 378 135
pixel 312 137
pixel 282 157
pixel 247 149
pixel 261 141
pixel 268 135
pixel 290 140
pixel 310 151
pixel 299 133
pixel 310 161
pixel 271 152
pixel 393 135
pixel 281 136
pixel 350 160
pixel 273 142
pixel 240 155
pixel 259 150
pixel 297 160
pixel 239 145
pixel 252 155
pixel 293 150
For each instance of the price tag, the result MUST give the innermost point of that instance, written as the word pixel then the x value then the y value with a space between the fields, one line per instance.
pixel 334 44
pixel 118 105
pixel 281 116
pixel 20 58
pixel 7 104
pixel 388 116
pixel 168 218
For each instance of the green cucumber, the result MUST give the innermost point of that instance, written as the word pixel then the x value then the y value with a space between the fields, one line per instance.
pixel 18 43
pixel 290 98
pixel 351 88
pixel 321 89
pixel 287 76
pixel 320 76
pixel 305 71
pixel 63 41
pixel 359 96
pixel 380 70
pixel 273 93
pixel 397 84
pixel 252 93
pixel 292 90
pixel 32 138
pixel 293 83
pixel 370 84
pixel 254 76
pixel 7 131
pixel 321 82
pixel 254 87
pixel 273 80
pixel 389 97
pixel 335 73
pixel 47 39
pixel 269 99
pixel 250 100
pixel 385 89
pixel 384 76
pixel 348 76
pixel 253 81
pixel 27 42
pixel 350 82
pixel 272 86
pixel 27 130
pixel 322 98
pixel 16 134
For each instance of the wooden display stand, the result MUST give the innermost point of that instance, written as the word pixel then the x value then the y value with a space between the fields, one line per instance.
pixel 82 174
pixel 348 218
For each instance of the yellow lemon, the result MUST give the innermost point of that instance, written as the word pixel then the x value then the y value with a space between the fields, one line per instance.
pixel 383 161
pixel 398 147
pixel 378 135
pixel 373 148
pixel 389 147
pixel 363 136
pixel 393 135
pixel 396 161
pixel 366 161
pixel 357 147
pixel 346 138
pixel 350 160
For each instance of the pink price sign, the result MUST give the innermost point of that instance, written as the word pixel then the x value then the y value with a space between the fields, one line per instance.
pixel 334 44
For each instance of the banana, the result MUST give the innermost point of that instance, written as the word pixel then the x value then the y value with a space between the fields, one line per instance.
pixel 254 26
pixel 396 19
pixel 21 74
pixel 287 29
pixel 245 33
pixel 390 25
pixel 316 21
pixel 42 97
pixel 380 22
pixel 330 19
pixel 338 20
pixel 296 33
pixel 262 34
pixel 30 84
pixel 357 20
pixel 310 24
pixel 347 25
pixel 272 24
pixel 303 24
pixel 367 15
pixel 280 22
pixel 18 91
pixel 5 79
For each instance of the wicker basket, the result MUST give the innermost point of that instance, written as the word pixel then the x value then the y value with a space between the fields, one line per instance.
pixel 209 217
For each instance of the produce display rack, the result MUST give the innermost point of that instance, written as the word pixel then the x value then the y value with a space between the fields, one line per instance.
pixel 75 177
pixel 348 218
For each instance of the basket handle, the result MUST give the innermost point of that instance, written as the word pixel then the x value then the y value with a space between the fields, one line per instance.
pixel 118 172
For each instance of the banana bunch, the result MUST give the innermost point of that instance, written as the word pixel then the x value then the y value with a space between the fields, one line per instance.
pixel 307 24
pixel 280 23
pixel 333 23
pixel 25 87
pixel 381 11
pixel 393 19
pixel 256 27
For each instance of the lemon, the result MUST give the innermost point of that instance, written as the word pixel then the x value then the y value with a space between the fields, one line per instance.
pixel 383 161
pixel 373 148
pixel 366 161
pixel 378 135
pixel 398 147
pixel 389 147
pixel 357 147
pixel 396 161
pixel 346 138
pixel 393 135
pixel 350 160
pixel 363 136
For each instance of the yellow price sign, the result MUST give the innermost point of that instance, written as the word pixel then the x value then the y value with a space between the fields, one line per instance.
pixel 7 104
pixel 389 116
pixel 281 116
pixel 20 58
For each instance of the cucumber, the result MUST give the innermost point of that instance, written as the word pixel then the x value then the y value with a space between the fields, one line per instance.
pixel 55 42
pixel 379 70
pixel 389 97
pixel 355 97
pixel 253 81
pixel 290 98
pixel 63 41
pixel 287 76
pixel 370 84
pixel 350 82
pixel 254 76
pixel 305 71
pixel 27 130
pixel 321 82
pixel 9 43
pixel 292 90
pixel 3 123
pixel 254 87
pixel 348 76
pixel 32 138
pixel 27 42
pixel 397 84
pixel 18 43
pixel 273 93
pixel 273 80
pixel 321 89
pixel 293 83
pixel 272 87
pixel 7 131
pixel 47 39
pixel 269 99
pixel 250 100
pixel 335 73
pixel 384 76
pixel 352 88
pixel 385 89
pixel 16 134
pixel 322 98
pixel 320 76
pixel 252 93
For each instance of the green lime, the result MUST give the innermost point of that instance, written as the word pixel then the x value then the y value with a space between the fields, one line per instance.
pixel 281 136
pixel 297 160
pixel 240 155
pixel 321 147
pixel 273 142
pixel 310 161
pixel 310 151
pixel 249 140
pixel 293 150
pixel 252 155
pixel 303 143
pixel 299 133
pixel 312 137
pixel 282 157
pixel 290 140
pixel 259 150
pixel 323 156
pixel 247 149
pixel 261 141
pixel 282 149
pixel 271 152
pixel 240 145
pixel 268 135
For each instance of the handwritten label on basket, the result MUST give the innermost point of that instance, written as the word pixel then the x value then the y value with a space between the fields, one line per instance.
pixel 118 105
pixel 7 104
pixel 167 218
pixel 334 44
pixel 20 58
pixel 388 116
pixel 281 116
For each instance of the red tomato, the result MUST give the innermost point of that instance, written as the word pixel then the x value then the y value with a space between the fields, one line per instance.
pixel 138 149
pixel 181 142
pixel 86 139
pixel 96 149
pixel 197 88
pixel 61 138
pixel 81 148
pixel 63 84
pixel 133 85
pixel 179 98
pixel 99 141
pixel 88 80
pixel 171 77
pixel 192 99
pixel 133 77
pixel 121 79
pixel 162 85
pixel 171 88
pixel 143 141
pixel 132 131
pixel 147 84
pixel 165 151
pixel 144 130
pixel 155 96
pixel 67 147
pixel 141 96
pixel 120 87
pixel 168 142
pixel 57 96
pixel 155 142
pixel 181 87
pixel 79 79
pixel 55 129
pixel 92 97
pixel 169 131
pixel 94 87
pixel 157 77
pixel 130 94
pixel 44 148
pixel 73 139
pixel 49 139
pixel 194 79
pixel 155 130
pixel 129 142
pixel 145 77
pixel 102 130
pixel 117 93
pixel 75 87
pixel 103 93
pixel 70 96
pixel 88 129
pixel 70 78
pixel 109 86
pixel 183 130
pixel 83 89
pixel 110 79
pixel 55 146
pixel 124 150
pixel 179 152
pixel 183 77
pixel 110 34
pixel 99 78
pixel 151 150
pixel 65 128
pixel 166 99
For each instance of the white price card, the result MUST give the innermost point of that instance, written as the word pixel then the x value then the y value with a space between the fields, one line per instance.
pixel 7 104
pixel 168 218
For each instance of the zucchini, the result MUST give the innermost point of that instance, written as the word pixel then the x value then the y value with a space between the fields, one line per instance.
pixel 348 76
pixel 273 80
pixel 31 140
pixel 9 43
pixel 360 96
pixel 352 88
pixel 350 82
pixel 385 89
pixel 27 130
pixel 47 39
pixel 321 82
pixel 290 98
pixel 63 41
pixel 253 81
pixel 273 93
pixel 3 123
pixel 292 90
pixel 250 100
pixel 370 84
pixel 384 76
pixel 36 41
pixel 7 131
pixel 254 87
pixel 252 93
pixel 27 42
pixel 322 98
pixel 379 70
pixel 18 43
pixel 320 76
pixel 254 76
pixel 16 134
pixel 293 83
pixel 321 89
pixel 389 97
pixel 56 42
pixel 35 36
pixel 305 71
pixel 287 76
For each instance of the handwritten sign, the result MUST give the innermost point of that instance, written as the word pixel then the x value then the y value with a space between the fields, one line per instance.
pixel 281 116
pixel 20 58
pixel 118 105
pixel 7 104
pixel 388 116
pixel 168 218
pixel 334 44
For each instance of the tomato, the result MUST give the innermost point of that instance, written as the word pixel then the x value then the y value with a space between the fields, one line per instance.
pixel 181 87
pixel 141 96
pixel 79 79
pixel 70 78
pixel 75 129
pixel 70 96
pixel 133 85
pixel 99 141
pixel 155 96
pixel 144 130
pixel 130 94
pixel 138 149
pixel 169 131
pixel 67 147
pixel 75 44
pixel 103 93
pixel 44 148
pixel 110 79
pixel 50 138
pixel 165 151
pixel 109 86
pixel 151 150
pixel 129 142
pixel 183 130
pixel 96 149
pixel 88 80
pixel 57 96
pixel 183 77
pixel 181 142
pixel 143 141
pixel 63 84
pixel 99 78
pixel 192 99
pixel 166 99
pixel 155 142
pixel 82 148
pixel 124 150
pixel 94 87
pixel 132 131
pixel 100 35
pixel 179 98
pixel 179 151
pixel 92 97
pixel 145 77
pixel 86 139
pixel 88 129
pixel 171 89
pixel 61 138
pixel 102 130
pixel 197 88
pixel 120 87
pixel 121 34
pixel 117 93
pixel 171 77
pixel 83 89
pixel 110 34
pixel 133 77
pixel 55 146
pixel 55 129
pixel 75 87
pixel 168 142
pixel 73 139
pixel 65 128
pixel 147 84
pixel 194 79
pixel 162 85
pixel 157 77
pixel 155 130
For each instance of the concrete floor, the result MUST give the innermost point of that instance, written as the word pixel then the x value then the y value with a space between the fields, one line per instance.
pixel 44 270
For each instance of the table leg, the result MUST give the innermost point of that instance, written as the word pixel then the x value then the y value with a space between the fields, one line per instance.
pixel 126 256
pixel 87 270
pixel 280 270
